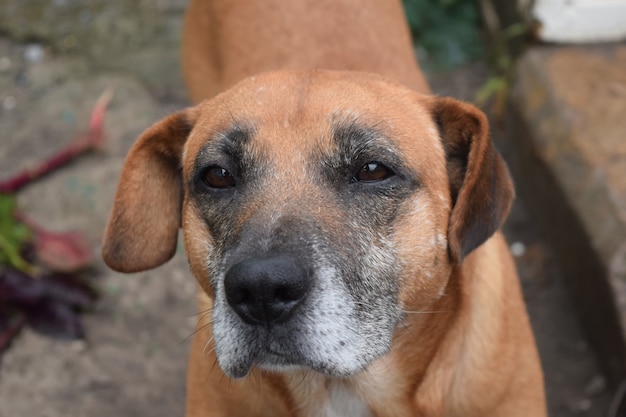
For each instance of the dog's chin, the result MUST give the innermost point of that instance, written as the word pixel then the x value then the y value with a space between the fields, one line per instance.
pixel 282 364
pixel 270 363
pixel 279 364
pixel 286 364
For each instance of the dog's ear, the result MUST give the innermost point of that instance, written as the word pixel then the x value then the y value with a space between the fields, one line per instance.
pixel 143 227
pixel 480 184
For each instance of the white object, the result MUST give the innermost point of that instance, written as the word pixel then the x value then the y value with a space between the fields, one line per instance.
pixel 580 21
pixel 518 249
pixel 34 53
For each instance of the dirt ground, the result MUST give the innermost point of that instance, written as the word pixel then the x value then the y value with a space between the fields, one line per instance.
pixel 56 57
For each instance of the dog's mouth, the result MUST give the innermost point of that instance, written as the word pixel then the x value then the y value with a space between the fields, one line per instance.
pixel 280 355
pixel 277 361
pixel 298 347
pixel 272 360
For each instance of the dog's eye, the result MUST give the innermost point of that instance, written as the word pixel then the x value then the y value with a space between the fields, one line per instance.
pixel 372 172
pixel 217 177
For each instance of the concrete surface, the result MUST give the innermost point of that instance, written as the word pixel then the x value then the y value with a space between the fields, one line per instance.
pixel 133 361
pixel 569 108
pixel 116 35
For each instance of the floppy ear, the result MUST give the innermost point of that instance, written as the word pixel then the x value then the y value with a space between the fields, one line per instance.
pixel 143 227
pixel 480 184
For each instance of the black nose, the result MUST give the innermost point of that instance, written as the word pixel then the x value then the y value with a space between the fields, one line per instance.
pixel 266 290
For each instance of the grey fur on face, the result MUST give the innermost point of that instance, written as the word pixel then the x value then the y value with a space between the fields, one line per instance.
pixel 349 315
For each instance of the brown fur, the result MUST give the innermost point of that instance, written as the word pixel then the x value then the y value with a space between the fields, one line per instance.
pixel 227 41
pixel 465 347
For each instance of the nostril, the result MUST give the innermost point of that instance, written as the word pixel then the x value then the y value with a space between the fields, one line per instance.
pixel 289 293
pixel 282 295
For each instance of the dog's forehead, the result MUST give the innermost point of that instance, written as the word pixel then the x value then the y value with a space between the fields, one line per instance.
pixel 299 96
pixel 298 112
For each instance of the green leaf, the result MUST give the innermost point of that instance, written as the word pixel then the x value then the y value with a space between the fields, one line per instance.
pixel 491 88
pixel 13 235
pixel 448 30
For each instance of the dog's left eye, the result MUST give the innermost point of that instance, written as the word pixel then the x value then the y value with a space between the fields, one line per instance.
pixel 217 177
pixel 373 172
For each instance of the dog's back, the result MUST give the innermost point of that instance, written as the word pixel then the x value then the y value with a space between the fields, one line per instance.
pixel 226 41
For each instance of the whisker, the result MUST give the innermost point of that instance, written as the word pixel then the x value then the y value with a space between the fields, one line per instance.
pixel 206 345
pixel 213 366
pixel 203 313
pixel 426 312
pixel 409 329
pixel 196 330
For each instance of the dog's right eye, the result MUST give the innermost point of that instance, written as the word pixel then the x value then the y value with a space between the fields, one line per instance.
pixel 373 172
pixel 217 177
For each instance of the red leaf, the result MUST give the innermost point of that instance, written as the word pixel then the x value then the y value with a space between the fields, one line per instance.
pixel 63 252
pixel 49 304
pixel 23 291
pixel 9 328
pixel 56 320
pixel 69 290
pixel 17 287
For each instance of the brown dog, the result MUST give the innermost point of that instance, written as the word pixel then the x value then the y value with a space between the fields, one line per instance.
pixel 342 226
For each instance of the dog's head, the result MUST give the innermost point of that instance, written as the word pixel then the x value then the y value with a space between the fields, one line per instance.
pixel 316 208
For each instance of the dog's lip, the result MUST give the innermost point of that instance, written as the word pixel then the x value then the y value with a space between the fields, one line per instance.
pixel 281 362
pixel 272 357
pixel 271 353
pixel 275 359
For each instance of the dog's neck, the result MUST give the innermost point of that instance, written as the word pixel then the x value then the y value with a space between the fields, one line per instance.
pixel 314 395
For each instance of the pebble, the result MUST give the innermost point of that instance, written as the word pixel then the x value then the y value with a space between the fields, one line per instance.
pixel 581 346
pixel 595 386
pixel 5 63
pixel 518 249
pixel 584 404
pixel 69 42
pixel 9 103
pixel 579 405
pixel 78 346
pixel 84 17
pixel 34 53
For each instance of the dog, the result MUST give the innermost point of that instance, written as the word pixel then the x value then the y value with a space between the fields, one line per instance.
pixel 342 223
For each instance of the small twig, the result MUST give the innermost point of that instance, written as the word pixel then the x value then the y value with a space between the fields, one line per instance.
pixel 617 401
pixel 90 140
pixel 10 332
pixel 492 22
